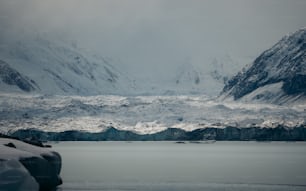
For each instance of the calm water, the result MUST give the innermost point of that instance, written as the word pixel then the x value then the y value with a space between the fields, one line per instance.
pixel 165 166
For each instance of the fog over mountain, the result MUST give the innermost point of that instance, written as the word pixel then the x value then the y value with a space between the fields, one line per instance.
pixel 151 40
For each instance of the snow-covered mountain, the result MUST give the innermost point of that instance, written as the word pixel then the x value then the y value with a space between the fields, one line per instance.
pixel 190 78
pixel 208 79
pixel 186 79
pixel 278 75
pixel 50 66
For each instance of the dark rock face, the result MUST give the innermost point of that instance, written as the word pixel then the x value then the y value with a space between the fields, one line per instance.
pixel 284 62
pixel 10 76
pixel 295 85
pixel 279 133
pixel 10 145
pixel 45 171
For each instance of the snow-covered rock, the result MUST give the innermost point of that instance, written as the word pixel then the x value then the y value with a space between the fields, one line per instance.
pixel 28 162
pixel 278 75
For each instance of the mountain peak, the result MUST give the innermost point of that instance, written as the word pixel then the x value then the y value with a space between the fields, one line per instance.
pixel 284 63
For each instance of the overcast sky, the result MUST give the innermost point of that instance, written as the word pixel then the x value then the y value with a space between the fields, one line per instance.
pixel 155 35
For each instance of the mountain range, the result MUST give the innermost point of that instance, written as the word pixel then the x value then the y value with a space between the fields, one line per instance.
pixel 38 64
pixel 55 77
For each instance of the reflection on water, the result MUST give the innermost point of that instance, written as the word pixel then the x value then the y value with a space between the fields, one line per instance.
pixel 244 166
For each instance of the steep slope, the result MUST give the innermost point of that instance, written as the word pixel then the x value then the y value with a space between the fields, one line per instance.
pixel 278 75
pixel 48 66
pixel 11 77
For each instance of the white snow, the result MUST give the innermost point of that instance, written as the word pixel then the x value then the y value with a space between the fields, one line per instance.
pixel 274 94
pixel 271 92
pixel 22 150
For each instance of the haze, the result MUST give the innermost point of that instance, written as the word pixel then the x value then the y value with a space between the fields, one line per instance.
pixel 146 37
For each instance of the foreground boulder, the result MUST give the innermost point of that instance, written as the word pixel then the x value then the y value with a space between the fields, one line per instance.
pixel 28 167
pixel 15 177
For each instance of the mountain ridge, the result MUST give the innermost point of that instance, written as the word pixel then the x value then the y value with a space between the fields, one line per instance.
pixel 283 64
pixel 40 65
pixel 56 66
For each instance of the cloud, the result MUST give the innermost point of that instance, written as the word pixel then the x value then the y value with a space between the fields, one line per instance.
pixel 157 35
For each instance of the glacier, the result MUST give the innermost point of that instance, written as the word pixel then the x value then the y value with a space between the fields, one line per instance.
pixel 73 90
pixel 139 114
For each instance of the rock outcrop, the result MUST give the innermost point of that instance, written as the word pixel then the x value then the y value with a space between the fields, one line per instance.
pixel 28 167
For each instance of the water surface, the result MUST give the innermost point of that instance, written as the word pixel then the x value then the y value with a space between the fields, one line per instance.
pixel 221 166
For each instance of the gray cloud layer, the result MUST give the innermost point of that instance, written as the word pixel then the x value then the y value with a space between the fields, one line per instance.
pixel 155 35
